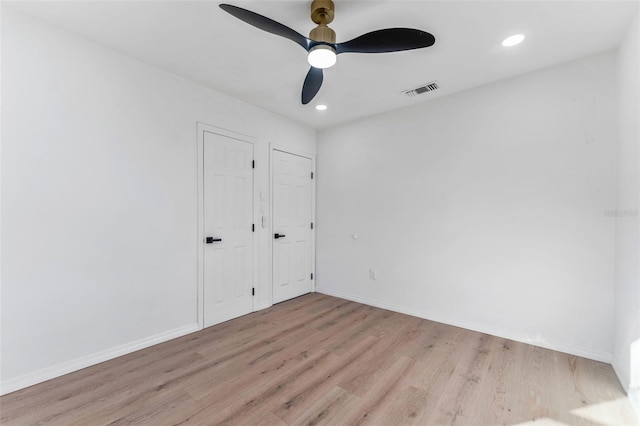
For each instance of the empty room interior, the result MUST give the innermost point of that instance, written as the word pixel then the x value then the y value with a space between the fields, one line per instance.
pixel 329 212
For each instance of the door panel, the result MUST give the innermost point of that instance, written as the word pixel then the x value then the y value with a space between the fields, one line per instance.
pixel 292 203
pixel 228 215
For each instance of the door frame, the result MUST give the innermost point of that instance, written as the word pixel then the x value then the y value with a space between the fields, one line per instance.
pixel 201 129
pixel 275 147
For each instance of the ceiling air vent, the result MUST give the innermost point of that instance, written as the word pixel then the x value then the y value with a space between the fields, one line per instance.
pixel 429 87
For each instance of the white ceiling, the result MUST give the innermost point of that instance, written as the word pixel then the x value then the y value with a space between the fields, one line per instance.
pixel 199 41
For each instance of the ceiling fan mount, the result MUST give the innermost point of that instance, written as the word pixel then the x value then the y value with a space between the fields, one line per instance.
pixel 322 11
pixel 321 44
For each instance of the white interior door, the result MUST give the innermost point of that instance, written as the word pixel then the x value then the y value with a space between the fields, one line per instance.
pixel 228 228
pixel 292 204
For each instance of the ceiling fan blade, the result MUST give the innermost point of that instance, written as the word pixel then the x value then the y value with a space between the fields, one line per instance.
pixel 312 84
pixel 387 40
pixel 266 24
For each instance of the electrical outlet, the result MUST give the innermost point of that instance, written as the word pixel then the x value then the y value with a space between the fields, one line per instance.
pixel 373 274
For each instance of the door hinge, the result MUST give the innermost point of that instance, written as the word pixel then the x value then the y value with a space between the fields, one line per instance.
pixel 312 275
pixel 253 227
pixel 311 225
pixel 253 164
pixel 311 175
pixel 253 291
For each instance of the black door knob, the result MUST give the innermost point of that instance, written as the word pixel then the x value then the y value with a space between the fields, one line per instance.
pixel 276 236
pixel 211 240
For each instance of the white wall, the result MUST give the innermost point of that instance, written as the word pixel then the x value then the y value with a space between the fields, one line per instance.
pixel 627 282
pixel 99 199
pixel 484 209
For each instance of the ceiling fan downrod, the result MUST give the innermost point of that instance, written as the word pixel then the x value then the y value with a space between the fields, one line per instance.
pixel 322 13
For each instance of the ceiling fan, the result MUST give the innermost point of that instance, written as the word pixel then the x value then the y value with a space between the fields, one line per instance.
pixel 321 44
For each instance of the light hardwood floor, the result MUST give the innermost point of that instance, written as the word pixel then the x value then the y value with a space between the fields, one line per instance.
pixel 322 360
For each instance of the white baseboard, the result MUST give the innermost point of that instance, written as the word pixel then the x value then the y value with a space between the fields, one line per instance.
pixel 263 305
pixel 625 380
pixel 632 393
pixel 594 354
pixel 48 373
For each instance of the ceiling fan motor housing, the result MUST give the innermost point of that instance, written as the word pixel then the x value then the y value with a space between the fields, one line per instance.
pixel 322 13
pixel 323 33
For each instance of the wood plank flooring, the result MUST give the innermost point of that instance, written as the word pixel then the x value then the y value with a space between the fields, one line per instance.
pixel 322 360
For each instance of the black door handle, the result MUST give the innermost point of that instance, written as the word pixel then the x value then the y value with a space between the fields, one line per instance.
pixel 276 236
pixel 211 240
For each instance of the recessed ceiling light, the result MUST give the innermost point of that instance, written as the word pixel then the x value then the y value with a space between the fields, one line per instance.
pixel 513 40
pixel 321 107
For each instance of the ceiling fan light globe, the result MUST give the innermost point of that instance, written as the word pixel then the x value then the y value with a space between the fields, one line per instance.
pixel 322 56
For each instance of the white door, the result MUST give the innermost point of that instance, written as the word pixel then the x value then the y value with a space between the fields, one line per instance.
pixel 292 204
pixel 228 228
